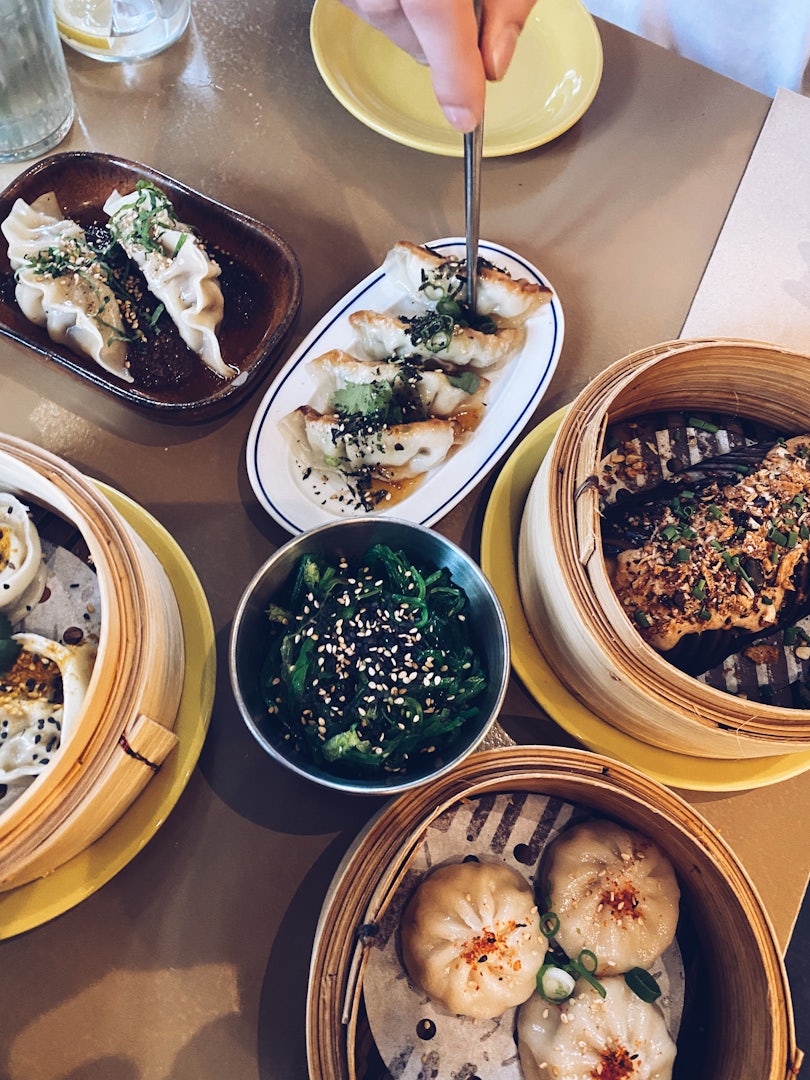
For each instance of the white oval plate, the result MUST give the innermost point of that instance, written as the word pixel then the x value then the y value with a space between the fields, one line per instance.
pixel 515 391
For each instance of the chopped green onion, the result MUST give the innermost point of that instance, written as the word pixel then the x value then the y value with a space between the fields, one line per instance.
pixel 447 306
pixel 643 984
pixel 642 618
pixel 588 960
pixel 555 983
pixel 702 425
pixel 433 290
pixel 549 924
pixel 682 555
pixel 585 966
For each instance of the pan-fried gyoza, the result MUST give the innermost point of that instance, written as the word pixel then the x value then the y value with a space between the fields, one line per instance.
pixel 411 390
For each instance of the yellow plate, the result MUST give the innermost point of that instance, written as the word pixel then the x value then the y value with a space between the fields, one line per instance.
pixel 499 542
pixel 34 904
pixel 550 83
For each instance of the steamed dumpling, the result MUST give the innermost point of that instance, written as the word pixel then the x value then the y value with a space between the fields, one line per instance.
pixel 175 267
pixel 440 395
pixel 386 336
pixel 40 697
pixel 615 894
pixel 471 938
pixel 396 452
pixel 422 272
pixel 589 1036
pixel 62 285
pixel 22 569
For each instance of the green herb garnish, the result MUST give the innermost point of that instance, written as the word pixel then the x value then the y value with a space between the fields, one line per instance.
pixel 702 425
pixel 643 984
pixel 467 381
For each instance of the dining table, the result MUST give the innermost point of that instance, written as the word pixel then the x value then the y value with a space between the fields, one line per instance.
pixel 190 961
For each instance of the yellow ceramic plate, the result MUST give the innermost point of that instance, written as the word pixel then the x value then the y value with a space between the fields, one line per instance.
pixel 550 83
pixel 499 541
pixel 32 905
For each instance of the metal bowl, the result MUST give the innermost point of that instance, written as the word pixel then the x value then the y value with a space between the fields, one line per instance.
pixel 352 537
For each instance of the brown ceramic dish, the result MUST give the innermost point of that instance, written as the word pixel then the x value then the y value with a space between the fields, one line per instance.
pixel 261 283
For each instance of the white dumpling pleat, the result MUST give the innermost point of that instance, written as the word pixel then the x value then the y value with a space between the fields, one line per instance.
pixel 175 267
pixel 471 938
pixel 40 698
pixel 396 452
pixel 439 395
pixel 61 284
pixel 423 273
pixel 22 569
pixel 615 894
pixel 384 336
pixel 590 1036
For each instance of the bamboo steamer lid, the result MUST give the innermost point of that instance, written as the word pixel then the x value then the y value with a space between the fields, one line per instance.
pixel 746 1028
pixel 125 727
pixel 569 602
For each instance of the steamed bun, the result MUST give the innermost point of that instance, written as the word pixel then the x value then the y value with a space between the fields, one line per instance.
pixel 615 894
pixel 616 1036
pixel 471 938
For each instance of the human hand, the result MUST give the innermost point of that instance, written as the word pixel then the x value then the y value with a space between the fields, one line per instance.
pixel 444 35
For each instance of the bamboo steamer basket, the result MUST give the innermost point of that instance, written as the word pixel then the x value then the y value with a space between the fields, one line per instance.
pixel 741 1024
pixel 567 596
pixel 125 727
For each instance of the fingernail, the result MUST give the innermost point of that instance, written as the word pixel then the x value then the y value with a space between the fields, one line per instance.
pixel 461 119
pixel 504 50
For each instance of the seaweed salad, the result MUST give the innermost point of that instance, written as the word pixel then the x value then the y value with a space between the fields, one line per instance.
pixel 371 665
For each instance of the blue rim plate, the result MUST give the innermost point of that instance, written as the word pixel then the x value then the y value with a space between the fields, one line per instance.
pixel 515 391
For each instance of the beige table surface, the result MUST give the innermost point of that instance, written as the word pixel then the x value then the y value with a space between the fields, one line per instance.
pixel 192 962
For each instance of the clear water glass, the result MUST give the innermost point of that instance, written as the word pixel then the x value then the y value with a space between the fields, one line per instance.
pixel 121 30
pixel 36 103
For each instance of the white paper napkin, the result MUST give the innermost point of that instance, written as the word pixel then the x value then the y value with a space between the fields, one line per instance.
pixel 757 282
